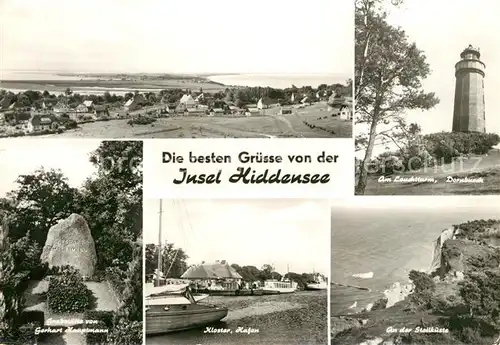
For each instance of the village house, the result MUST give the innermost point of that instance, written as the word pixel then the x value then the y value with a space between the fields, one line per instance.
pixel 217 276
pixel 82 108
pixel 252 109
pixel 199 98
pixel 264 103
pixel 285 111
pixel 39 123
pixel 305 101
pixel 101 112
pixel 187 101
pixel 345 112
pixel 216 111
pixel 134 103
pixel 61 108
pixel 89 104
pixel 49 103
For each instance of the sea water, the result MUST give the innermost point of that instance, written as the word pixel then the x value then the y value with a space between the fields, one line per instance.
pixel 381 246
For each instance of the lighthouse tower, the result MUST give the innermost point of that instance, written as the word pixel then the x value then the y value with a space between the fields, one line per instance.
pixel 468 112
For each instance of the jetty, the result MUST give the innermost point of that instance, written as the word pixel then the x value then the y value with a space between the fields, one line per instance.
pixel 352 286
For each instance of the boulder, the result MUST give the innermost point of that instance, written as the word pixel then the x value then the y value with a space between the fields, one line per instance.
pixel 70 242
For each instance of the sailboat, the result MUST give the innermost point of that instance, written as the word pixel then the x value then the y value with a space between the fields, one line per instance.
pixel 274 286
pixel 173 308
pixel 317 284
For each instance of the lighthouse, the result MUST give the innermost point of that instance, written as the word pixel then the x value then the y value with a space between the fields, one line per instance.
pixel 469 113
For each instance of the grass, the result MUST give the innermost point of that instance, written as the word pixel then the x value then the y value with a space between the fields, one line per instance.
pixel 269 125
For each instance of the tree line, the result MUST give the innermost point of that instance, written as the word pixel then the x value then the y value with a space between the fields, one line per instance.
pixel 174 264
pixel 239 96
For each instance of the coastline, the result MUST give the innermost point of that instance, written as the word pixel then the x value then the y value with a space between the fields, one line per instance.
pixel 277 80
pixel 434 307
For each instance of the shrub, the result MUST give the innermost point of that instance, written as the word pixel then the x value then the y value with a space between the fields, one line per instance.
pixel 26 334
pixel 116 278
pixel 105 321
pixel 39 271
pixel 422 281
pixel 446 146
pixel 380 304
pixel 26 254
pixel 141 120
pixel 68 293
pixel 35 317
pixel 126 333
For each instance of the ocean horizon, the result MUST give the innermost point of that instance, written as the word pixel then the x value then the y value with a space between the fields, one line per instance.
pixel 382 246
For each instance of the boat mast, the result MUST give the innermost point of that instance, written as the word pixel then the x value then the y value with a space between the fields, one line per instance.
pixel 159 247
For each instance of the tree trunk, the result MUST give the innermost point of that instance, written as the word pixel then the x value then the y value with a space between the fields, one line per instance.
pixel 357 85
pixel 363 174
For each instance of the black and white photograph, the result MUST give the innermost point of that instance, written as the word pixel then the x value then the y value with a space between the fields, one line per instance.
pixel 415 270
pixel 161 69
pixel 426 74
pixel 236 271
pixel 71 242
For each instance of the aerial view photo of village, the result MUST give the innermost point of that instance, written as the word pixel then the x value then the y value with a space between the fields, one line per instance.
pixel 93 86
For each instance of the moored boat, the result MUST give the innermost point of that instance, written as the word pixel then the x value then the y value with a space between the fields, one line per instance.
pixel 273 287
pixel 317 284
pixel 173 308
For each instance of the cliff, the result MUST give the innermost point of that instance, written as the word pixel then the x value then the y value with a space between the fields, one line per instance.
pixel 456 302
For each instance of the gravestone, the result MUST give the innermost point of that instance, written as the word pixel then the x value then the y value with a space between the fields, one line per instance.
pixel 70 242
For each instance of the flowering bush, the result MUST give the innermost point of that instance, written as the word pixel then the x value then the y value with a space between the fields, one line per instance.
pixel 68 293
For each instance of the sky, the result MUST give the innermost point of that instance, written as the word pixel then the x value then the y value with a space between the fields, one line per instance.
pixel 24 156
pixel 219 36
pixel 246 232
pixel 443 29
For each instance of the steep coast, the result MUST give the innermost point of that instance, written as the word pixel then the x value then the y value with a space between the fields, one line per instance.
pixel 456 302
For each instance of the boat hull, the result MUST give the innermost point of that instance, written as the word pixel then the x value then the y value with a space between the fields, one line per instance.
pixel 161 321
pixel 277 291
pixel 242 292
pixel 316 287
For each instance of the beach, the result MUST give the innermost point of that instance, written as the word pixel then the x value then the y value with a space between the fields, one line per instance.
pixel 298 318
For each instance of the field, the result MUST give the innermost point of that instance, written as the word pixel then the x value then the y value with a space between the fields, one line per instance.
pixel 268 125
pixel 486 167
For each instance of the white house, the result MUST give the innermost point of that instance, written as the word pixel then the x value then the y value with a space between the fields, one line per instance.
pixel 60 108
pixel 88 104
pixel 345 112
pixel 134 103
pixel 199 98
pixel 39 123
